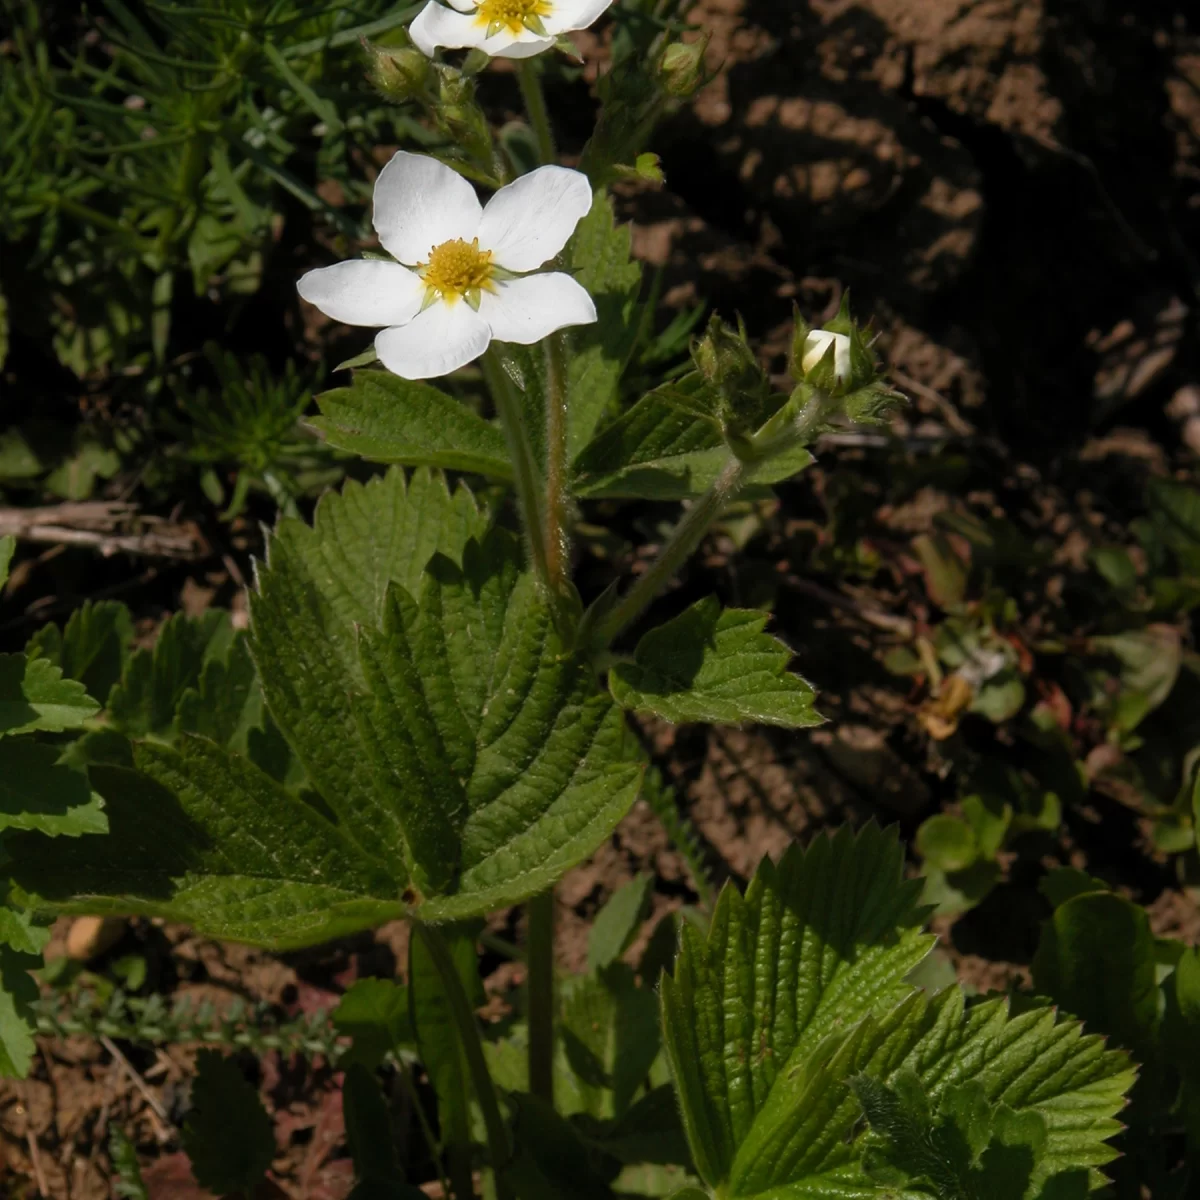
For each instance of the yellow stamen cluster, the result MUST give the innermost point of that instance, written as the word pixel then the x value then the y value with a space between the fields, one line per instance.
pixel 457 269
pixel 513 15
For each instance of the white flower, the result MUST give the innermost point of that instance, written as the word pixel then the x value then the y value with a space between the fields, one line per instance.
pixel 501 28
pixel 461 283
pixel 815 347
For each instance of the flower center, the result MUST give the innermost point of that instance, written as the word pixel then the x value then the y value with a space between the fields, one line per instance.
pixel 457 269
pixel 513 15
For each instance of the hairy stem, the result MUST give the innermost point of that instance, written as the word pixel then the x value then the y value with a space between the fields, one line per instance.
pixel 535 107
pixel 540 914
pixel 557 536
pixel 472 1047
pixel 525 472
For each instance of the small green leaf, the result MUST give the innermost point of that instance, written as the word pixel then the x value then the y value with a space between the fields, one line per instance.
pixel 388 419
pixel 18 931
pixel 718 665
pixel 228 1135
pixel 94 648
pixel 38 792
pixel 947 843
pixel 8 544
pixel 1150 660
pixel 203 836
pixel 35 696
pixel 146 700
pixel 617 923
pixel 18 991
pixel 1096 958
pixel 599 255
pixel 374 1013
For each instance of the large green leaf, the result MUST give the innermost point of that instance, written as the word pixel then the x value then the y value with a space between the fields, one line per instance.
pixel 499 762
pixel 388 419
pixel 800 987
pixel 34 696
pixel 203 836
pixel 668 446
pixel 716 665
pixel 321 585
pixel 39 793
pixel 599 255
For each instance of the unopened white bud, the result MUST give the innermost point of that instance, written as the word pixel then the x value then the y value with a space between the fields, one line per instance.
pixel 815 347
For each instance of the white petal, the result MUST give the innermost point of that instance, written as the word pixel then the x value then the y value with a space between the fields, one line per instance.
pixel 574 14
pixel 364 291
pixel 467 6
pixel 435 25
pixel 529 220
pixel 816 345
pixel 420 203
pixel 440 340
pixel 525 45
pixel 529 309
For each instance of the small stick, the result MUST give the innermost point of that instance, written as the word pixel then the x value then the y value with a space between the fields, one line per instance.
pixel 35 1157
pixel 868 613
pixel 161 1121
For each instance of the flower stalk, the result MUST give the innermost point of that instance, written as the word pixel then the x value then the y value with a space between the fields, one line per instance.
pixel 535 108
pixel 555 530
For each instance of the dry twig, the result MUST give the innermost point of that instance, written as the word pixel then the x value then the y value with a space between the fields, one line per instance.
pixel 111 527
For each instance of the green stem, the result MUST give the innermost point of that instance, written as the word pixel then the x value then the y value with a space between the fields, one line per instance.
pixel 684 539
pixel 535 107
pixel 525 472
pixel 557 535
pixel 472 1047
pixel 540 915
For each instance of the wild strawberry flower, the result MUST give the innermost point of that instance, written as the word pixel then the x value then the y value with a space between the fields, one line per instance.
pixel 460 277
pixel 501 28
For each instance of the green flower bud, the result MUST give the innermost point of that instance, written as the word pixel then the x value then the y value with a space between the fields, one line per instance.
pixel 836 358
pixel 681 68
pixel 398 73
pixel 742 391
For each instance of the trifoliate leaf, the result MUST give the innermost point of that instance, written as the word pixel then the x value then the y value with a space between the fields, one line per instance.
pixel 227 1135
pixel 320 585
pixel 17 995
pixel 202 836
pixel 617 922
pixel 388 419
pixel 35 696
pixel 146 700
pixel 374 1013
pixel 794 992
pixel 718 665
pixel 599 255
pixel 94 648
pixel 39 792
pixel 498 764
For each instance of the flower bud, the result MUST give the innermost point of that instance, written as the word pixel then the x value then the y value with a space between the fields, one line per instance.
pixel 398 73
pixel 742 391
pixel 816 348
pixel 681 68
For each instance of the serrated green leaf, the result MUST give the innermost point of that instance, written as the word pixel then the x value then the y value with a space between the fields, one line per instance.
pixel 20 933
pixel 799 987
pixel 321 585
pixel 718 665
pixel 227 704
pixel 8 544
pixel 39 793
pixel 199 835
pixel 668 446
pixel 599 255
pixel 1096 958
pixel 17 995
pixel 94 648
pixel 617 923
pixel 146 700
pixel 374 1013
pixel 387 419
pixel 227 1135
pixel 816 944
pixel 35 696
pixel 500 762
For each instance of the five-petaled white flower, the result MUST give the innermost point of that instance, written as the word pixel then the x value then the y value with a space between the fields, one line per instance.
pixel 460 280
pixel 502 28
